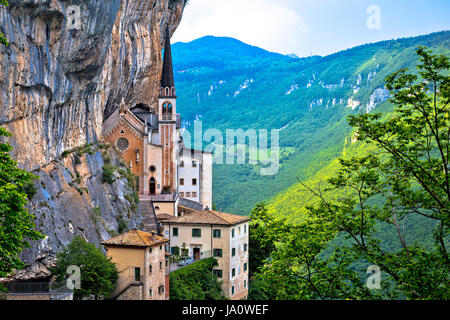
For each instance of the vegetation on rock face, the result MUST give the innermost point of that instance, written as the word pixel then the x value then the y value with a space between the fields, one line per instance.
pixel 196 282
pixel 17 226
pixel 3 40
pixel 405 176
pixel 108 172
pixel 98 274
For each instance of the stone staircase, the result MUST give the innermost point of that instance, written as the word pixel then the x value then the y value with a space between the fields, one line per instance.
pixel 149 216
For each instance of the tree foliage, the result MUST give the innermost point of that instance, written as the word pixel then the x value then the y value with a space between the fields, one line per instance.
pixel 196 282
pixel 98 273
pixel 17 226
pixel 406 176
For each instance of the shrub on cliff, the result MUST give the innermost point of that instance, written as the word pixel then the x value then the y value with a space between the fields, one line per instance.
pixel 196 282
pixel 108 174
pixel 16 224
pixel 3 40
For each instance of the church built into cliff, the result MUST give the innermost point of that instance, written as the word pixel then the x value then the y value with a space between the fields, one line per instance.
pixel 168 173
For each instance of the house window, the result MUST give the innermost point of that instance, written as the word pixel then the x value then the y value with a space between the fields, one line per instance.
pixel 245 283
pixel 218 273
pixel 150 268
pixel 175 232
pixel 137 274
pixel 161 289
pixel 245 247
pixel 232 233
pixel 197 233
pixel 160 248
pixel 232 290
pixel 217 233
pixel 245 229
pixel 182 164
pixel 194 164
pixel 182 194
pixel 160 265
pixel 152 168
pixel 233 272
pixel 245 267
pixel 181 182
pixel 194 194
pixel 218 252
pixel 233 252
pixel 150 292
pixel 194 182
pixel 188 194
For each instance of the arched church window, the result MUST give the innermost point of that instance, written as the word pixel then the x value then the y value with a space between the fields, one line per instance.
pixel 167 108
pixel 122 144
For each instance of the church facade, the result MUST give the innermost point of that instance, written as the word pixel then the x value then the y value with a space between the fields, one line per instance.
pixel 150 142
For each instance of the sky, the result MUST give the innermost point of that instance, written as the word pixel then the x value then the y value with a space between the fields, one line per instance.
pixel 311 27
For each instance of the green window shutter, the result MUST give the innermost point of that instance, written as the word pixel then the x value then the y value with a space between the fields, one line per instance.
pixel 137 274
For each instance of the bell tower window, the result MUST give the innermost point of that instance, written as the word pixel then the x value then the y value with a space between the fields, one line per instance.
pixel 167 110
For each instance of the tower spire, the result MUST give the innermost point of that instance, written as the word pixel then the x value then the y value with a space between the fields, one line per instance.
pixel 167 80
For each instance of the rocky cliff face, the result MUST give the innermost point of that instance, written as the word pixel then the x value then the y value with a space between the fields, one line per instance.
pixel 61 74
pixel 87 192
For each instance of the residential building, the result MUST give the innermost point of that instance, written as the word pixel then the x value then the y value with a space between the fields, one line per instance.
pixel 140 258
pixel 209 233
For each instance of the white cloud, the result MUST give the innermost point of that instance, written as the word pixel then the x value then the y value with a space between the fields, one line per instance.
pixel 262 23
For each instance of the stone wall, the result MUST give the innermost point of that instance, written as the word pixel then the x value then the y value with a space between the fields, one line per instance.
pixel 134 292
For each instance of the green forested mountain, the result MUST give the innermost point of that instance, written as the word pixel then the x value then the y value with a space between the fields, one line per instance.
pixel 230 85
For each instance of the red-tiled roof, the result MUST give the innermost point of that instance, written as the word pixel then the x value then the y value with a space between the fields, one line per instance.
pixel 135 238
pixel 206 217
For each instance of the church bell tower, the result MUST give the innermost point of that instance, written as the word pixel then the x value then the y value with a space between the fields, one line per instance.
pixel 167 119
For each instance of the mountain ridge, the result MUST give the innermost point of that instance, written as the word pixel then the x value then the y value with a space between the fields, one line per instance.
pixel 309 97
